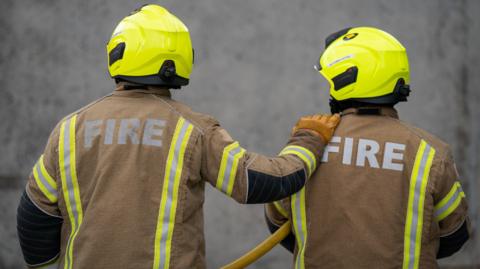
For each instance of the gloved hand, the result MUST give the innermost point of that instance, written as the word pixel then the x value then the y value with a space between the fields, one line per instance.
pixel 320 125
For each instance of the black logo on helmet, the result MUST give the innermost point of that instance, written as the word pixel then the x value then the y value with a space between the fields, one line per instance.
pixel 350 36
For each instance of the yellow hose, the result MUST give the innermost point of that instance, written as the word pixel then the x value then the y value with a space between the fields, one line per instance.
pixel 261 249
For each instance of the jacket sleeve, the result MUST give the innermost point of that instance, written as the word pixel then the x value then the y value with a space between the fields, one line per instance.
pixel 450 211
pixel 38 218
pixel 276 214
pixel 249 177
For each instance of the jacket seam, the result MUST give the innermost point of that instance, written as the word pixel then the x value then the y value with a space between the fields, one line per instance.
pixel 282 173
pixel 457 227
pixel 44 263
pixel 197 126
pixel 41 209
pixel 441 156
pixel 78 111
pixel 246 176
pixel 416 133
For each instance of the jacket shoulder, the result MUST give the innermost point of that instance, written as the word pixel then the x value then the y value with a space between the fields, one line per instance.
pixel 201 121
pixel 440 146
pixel 86 107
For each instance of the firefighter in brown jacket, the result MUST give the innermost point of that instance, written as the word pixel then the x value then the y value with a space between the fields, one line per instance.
pixel 387 194
pixel 121 181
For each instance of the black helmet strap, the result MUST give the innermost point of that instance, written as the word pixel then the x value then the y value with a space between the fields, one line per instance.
pixel 399 94
pixel 402 90
pixel 166 76
pixel 167 71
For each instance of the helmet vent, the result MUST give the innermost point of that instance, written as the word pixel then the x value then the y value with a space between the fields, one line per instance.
pixel 116 54
pixel 332 37
pixel 346 78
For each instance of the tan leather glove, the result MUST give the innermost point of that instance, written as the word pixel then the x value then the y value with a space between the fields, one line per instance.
pixel 320 125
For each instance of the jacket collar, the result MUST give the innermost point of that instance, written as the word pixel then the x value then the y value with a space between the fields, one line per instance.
pixel 126 89
pixel 373 110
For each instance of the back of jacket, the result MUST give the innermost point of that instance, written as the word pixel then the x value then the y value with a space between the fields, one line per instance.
pixel 383 197
pixel 126 176
pixel 115 193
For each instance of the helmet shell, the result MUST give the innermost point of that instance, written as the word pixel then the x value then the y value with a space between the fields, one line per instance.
pixel 149 37
pixel 377 57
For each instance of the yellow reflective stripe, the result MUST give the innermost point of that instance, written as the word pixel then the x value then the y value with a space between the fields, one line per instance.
pixel 233 172
pixel 76 188
pixel 70 188
pixel 408 223
pixel 421 206
pixel 300 226
pixel 301 156
pixel 44 181
pixel 223 164
pixel 449 203
pixel 415 207
pixel 303 153
pixel 73 169
pixel 228 167
pixel 63 175
pixel 61 160
pixel 306 151
pixel 169 199
pixel 280 209
pixel 175 193
pixel 45 173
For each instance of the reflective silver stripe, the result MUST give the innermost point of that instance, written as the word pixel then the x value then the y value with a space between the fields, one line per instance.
pixel 69 183
pixel 44 181
pixel 228 168
pixel 301 236
pixel 304 153
pixel 415 208
pixel 168 206
pixel 416 197
pixel 170 189
pixel 68 171
pixel 299 225
pixel 231 156
pixel 68 177
pixel 307 156
pixel 450 202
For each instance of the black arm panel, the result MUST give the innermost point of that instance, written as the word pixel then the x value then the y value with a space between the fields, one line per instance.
pixel 264 188
pixel 39 233
pixel 452 243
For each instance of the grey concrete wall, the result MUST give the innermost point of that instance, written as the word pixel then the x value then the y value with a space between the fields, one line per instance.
pixel 253 72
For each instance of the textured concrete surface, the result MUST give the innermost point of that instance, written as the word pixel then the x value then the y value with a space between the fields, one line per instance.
pixel 253 72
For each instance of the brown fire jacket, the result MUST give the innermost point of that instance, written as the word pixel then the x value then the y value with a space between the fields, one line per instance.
pixel 126 175
pixel 383 197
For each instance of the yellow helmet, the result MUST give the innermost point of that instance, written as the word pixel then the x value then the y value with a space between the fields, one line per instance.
pixel 365 64
pixel 151 47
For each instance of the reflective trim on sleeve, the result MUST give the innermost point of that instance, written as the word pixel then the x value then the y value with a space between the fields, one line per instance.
pixel 306 155
pixel 45 182
pixel 280 209
pixel 449 203
pixel 71 190
pixel 415 209
pixel 169 200
pixel 299 217
pixel 228 167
